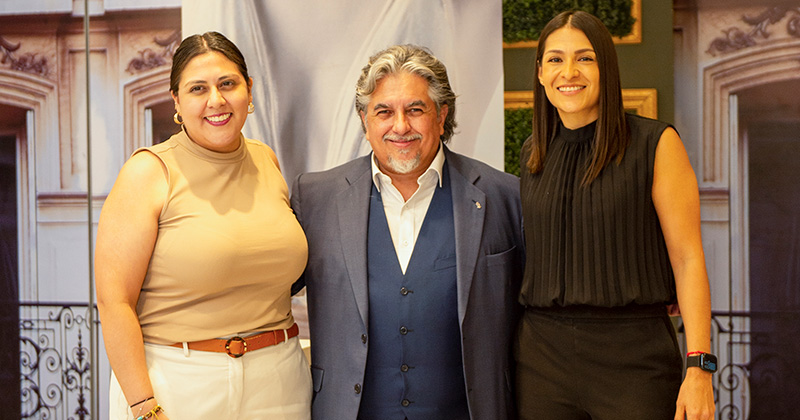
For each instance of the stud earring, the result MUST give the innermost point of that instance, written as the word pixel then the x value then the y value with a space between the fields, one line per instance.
pixel 251 108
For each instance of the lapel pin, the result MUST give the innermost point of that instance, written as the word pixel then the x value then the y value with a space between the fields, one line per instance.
pixel 478 204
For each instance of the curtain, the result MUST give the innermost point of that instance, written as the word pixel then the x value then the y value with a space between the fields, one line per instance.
pixel 305 57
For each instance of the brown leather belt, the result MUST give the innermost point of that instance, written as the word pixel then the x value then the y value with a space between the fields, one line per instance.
pixel 238 346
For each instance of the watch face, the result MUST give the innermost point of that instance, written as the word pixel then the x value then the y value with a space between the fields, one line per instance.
pixel 708 362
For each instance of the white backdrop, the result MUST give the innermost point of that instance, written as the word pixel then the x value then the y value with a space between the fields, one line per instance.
pixel 305 57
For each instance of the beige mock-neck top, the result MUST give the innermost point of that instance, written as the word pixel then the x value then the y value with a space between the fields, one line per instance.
pixel 228 247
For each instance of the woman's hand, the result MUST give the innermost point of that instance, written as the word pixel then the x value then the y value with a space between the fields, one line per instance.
pixel 696 397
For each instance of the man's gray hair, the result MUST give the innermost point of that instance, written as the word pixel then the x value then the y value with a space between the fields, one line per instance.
pixel 414 60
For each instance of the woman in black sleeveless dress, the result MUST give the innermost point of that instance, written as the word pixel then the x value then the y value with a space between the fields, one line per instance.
pixel 612 223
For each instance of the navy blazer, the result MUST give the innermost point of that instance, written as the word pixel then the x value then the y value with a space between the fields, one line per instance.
pixel 333 209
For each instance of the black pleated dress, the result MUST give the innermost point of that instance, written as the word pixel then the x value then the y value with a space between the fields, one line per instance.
pixel 595 341
pixel 600 244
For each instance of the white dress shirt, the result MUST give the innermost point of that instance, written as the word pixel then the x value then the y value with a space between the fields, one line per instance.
pixel 405 217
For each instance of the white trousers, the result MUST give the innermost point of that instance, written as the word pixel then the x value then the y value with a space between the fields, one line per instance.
pixel 271 383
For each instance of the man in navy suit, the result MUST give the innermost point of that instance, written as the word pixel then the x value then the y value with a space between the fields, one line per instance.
pixel 415 260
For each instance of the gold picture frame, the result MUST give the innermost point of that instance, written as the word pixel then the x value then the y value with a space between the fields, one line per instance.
pixel 635 37
pixel 643 102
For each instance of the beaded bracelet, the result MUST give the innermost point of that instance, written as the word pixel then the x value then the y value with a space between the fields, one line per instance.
pixel 152 413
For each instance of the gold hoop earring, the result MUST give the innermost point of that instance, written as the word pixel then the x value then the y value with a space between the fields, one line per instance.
pixel 177 118
pixel 251 108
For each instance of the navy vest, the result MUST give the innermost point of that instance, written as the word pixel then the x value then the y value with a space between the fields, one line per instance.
pixel 414 369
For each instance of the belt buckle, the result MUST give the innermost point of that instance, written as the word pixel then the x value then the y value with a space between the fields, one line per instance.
pixel 228 347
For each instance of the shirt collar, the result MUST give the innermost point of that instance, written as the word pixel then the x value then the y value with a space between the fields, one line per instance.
pixel 435 169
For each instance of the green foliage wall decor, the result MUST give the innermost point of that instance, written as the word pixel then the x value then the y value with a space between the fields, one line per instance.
pixel 523 20
pixel 518 129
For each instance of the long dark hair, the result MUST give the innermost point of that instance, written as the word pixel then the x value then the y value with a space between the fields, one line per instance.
pixel 611 134
pixel 196 45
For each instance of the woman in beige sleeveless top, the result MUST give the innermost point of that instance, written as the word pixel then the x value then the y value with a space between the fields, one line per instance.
pixel 197 249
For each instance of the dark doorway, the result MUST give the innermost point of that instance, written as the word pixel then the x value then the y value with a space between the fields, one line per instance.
pixel 772 122
pixel 9 281
pixel 163 126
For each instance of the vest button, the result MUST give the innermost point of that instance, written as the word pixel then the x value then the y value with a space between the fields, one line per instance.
pixel 404 368
pixel 364 338
pixel 405 403
pixel 403 330
pixel 357 388
pixel 403 291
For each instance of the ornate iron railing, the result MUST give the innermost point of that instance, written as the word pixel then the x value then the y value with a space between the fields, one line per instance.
pixel 752 369
pixel 55 360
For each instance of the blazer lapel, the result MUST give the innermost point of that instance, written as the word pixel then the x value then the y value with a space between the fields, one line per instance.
pixel 468 215
pixel 353 207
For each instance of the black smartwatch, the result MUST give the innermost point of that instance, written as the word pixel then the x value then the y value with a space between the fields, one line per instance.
pixel 705 361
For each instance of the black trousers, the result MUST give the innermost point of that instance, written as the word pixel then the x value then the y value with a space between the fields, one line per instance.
pixel 597 363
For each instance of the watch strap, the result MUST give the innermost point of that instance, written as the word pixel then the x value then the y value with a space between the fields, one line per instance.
pixel 705 361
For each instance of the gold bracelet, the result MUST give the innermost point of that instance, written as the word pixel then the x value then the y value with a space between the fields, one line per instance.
pixel 152 413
